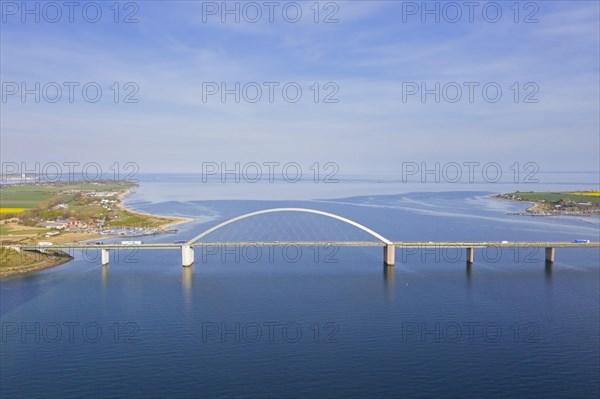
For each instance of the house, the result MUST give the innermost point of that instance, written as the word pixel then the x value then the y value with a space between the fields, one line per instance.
pixel 58 225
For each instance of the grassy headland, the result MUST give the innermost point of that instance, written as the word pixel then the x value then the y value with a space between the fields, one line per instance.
pixel 578 203
pixel 67 212
pixel 13 262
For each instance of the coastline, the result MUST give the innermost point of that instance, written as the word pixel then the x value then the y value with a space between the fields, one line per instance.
pixel 540 208
pixel 50 262
pixel 177 219
pixel 529 209
pixel 57 260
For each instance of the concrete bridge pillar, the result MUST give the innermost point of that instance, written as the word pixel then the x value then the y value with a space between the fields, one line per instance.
pixel 470 255
pixel 389 254
pixel 187 255
pixel 550 254
pixel 105 257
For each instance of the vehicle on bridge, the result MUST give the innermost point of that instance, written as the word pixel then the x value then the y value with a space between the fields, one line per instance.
pixel 131 243
pixel 582 241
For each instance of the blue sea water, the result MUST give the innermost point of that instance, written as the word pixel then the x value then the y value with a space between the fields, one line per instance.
pixel 316 321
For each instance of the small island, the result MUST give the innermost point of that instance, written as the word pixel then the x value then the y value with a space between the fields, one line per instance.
pixel 577 203
pixel 67 212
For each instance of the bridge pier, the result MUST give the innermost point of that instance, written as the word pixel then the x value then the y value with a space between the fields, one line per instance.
pixel 105 257
pixel 389 254
pixel 470 255
pixel 550 254
pixel 187 255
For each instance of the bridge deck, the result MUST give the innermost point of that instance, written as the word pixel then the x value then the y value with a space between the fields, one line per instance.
pixel 399 244
pixel 377 240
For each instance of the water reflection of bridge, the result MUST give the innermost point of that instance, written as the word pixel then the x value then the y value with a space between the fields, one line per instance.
pixel 389 247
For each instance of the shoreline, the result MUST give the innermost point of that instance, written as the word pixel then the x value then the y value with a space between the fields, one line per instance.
pixel 537 208
pixel 57 260
pixel 52 261
pixel 178 219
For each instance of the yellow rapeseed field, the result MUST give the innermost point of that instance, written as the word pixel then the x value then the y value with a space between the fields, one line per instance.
pixel 586 193
pixel 12 210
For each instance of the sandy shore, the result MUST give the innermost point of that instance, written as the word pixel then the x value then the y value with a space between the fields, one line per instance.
pixel 176 219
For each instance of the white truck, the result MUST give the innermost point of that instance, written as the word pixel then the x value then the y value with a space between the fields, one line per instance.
pixel 131 243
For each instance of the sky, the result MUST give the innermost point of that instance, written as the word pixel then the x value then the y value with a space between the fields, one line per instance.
pixel 377 67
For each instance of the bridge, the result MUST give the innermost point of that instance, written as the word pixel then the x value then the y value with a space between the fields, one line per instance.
pixel 389 247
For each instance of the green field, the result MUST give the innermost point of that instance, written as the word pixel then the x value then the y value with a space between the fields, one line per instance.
pixel 128 219
pixel 6 229
pixel 30 196
pixel 555 197
pixel 11 198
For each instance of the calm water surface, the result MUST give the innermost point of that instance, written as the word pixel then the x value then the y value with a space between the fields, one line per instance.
pixel 325 322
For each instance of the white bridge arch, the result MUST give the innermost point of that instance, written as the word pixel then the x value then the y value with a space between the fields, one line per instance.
pixel 302 210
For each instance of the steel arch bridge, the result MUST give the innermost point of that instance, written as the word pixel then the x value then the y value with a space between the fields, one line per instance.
pixel 389 247
pixel 300 210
